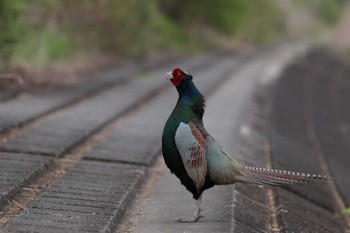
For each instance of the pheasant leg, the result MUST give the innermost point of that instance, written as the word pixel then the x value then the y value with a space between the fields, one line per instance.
pixel 197 213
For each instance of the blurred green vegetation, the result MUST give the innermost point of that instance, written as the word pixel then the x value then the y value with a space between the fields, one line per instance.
pixel 39 32
pixel 346 212
pixel 253 21
pixel 328 11
pixel 11 26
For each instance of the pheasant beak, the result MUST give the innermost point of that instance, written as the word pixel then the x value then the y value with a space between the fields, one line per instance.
pixel 169 75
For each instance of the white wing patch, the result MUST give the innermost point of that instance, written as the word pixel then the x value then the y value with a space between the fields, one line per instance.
pixel 191 145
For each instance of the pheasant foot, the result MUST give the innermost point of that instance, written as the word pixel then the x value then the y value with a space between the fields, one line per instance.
pixel 197 213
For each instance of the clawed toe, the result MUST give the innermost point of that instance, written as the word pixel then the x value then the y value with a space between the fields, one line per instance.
pixel 197 213
pixel 191 220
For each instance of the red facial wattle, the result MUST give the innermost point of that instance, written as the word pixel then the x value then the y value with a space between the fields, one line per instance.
pixel 178 76
pixel 177 80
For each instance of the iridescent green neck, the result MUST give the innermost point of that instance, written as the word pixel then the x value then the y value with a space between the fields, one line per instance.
pixel 188 92
pixel 190 95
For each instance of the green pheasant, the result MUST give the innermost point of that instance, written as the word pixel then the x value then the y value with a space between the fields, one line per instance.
pixel 197 159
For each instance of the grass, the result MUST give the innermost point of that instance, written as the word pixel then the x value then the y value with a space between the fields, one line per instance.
pixel 346 212
pixel 38 33
pixel 41 47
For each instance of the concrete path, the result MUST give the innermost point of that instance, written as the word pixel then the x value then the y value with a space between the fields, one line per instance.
pixel 87 158
pixel 169 200
pixel 75 168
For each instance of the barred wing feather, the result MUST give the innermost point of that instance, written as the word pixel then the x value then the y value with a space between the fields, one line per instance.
pixel 190 143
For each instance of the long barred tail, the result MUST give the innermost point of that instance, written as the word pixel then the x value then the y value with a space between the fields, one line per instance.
pixel 276 177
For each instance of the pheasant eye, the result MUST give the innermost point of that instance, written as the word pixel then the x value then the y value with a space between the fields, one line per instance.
pixel 179 74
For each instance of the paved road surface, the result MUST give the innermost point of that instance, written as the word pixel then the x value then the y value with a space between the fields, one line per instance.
pixel 169 200
pixel 87 158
